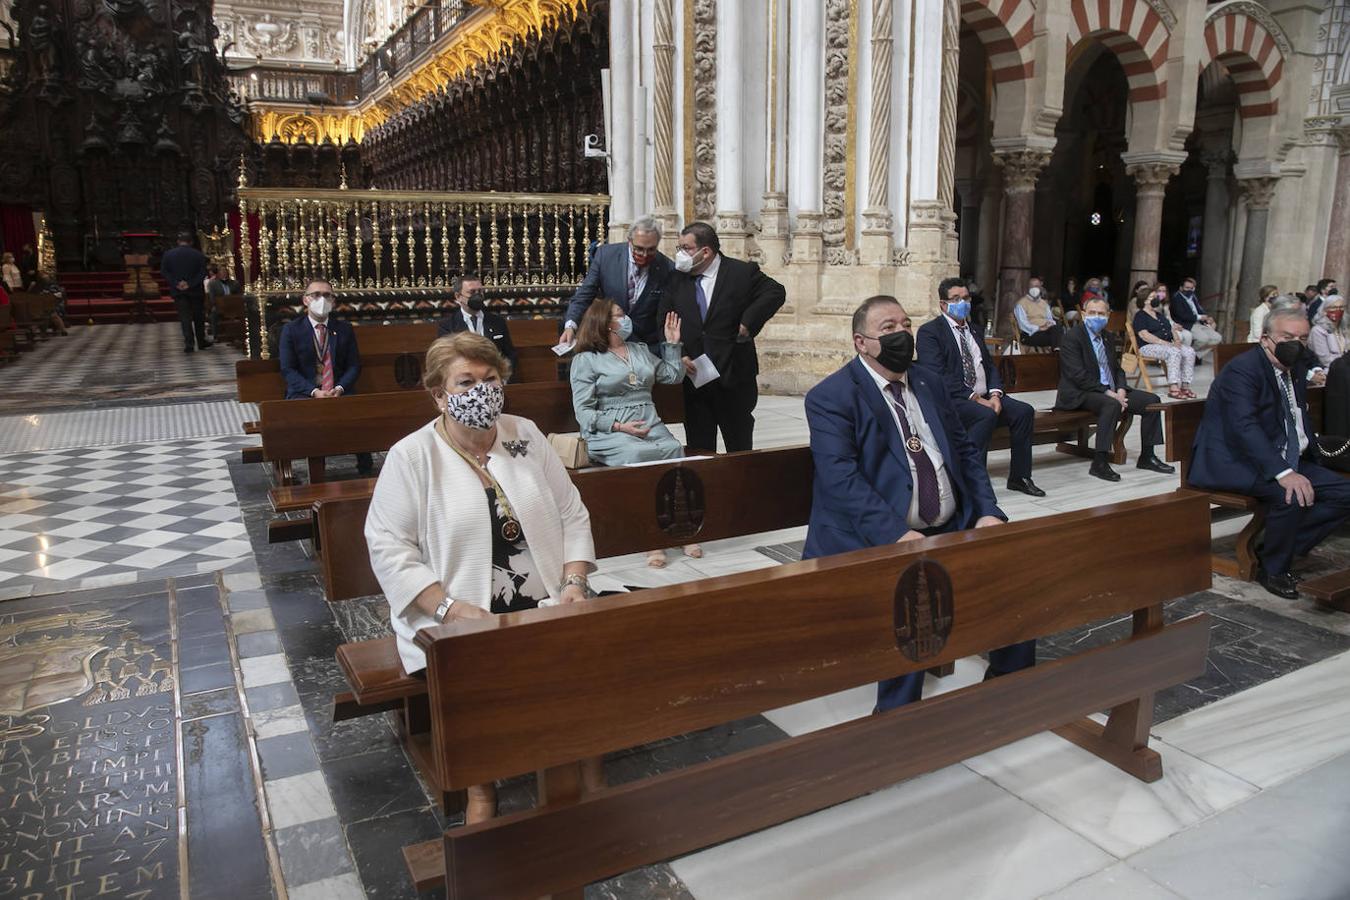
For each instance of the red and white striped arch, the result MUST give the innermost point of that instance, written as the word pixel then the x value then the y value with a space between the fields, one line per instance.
pixel 1005 28
pixel 1249 53
pixel 1133 32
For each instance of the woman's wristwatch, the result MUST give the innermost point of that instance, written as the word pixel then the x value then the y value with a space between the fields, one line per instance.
pixel 580 581
pixel 443 609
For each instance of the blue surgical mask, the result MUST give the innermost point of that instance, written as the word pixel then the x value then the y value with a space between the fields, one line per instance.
pixel 1095 324
pixel 958 309
pixel 625 328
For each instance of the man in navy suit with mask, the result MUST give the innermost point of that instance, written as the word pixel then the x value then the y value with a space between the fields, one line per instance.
pixel 893 463
pixel 1257 439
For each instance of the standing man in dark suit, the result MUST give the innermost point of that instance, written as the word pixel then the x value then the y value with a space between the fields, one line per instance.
pixel 1090 378
pixel 1257 439
pixel 893 463
pixel 949 348
pixel 723 304
pixel 319 356
pixel 633 275
pixel 184 267
pixel 474 316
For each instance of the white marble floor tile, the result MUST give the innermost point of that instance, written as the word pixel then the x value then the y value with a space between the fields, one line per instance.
pixel 1115 811
pixel 1287 843
pixel 251 620
pixel 260 670
pixel 274 722
pixel 341 887
pixel 951 832
pixel 1275 730
pixel 243 581
pixel 299 799
pixel 1118 882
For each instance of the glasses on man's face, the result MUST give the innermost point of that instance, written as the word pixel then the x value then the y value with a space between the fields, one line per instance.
pixel 321 295
pixel 639 250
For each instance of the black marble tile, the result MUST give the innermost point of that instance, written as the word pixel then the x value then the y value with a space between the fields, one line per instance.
pixel 211 703
pixel 373 784
pixel 318 675
pixel 271 696
pixel 310 640
pixel 226 855
pixel 335 740
pixel 286 755
pixel 258 643
pixel 377 846
pixel 363 618
pixel 648 883
pixel 207 678
pixel 203 650
pixel 298 607
pixel 312 851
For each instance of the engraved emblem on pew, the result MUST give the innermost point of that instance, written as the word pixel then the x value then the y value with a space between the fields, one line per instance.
pixel 408 370
pixel 680 503
pixel 923 610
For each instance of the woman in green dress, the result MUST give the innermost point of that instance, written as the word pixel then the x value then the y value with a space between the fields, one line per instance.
pixel 612 381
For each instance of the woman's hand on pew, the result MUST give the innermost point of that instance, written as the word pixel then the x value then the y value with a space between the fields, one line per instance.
pixel 572 594
pixel 461 610
pixel 636 429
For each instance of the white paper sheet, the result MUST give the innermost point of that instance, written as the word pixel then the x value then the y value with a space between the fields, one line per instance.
pixel 704 371
pixel 662 462
pixel 562 348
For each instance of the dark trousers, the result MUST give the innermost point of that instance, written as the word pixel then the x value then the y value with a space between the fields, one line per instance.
pixel 715 406
pixel 1293 530
pixel 1108 413
pixel 895 692
pixel 191 306
pixel 1050 337
pixel 980 422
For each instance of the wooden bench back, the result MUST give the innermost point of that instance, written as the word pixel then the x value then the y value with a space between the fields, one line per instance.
pixel 1225 352
pixel 1029 372
pixel 376 340
pixel 622 671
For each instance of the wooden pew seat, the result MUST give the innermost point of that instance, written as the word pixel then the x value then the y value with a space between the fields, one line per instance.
pixel 1331 591
pixel 375 673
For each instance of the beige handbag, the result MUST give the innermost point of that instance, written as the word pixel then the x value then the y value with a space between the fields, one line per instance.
pixel 571 449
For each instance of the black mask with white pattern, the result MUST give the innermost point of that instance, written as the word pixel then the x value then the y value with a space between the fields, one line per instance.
pixel 479 407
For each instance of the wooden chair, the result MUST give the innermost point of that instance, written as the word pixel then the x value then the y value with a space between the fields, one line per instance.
pixel 1135 363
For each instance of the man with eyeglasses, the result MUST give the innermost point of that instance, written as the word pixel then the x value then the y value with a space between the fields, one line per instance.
pixel 633 275
pixel 1257 439
pixel 319 356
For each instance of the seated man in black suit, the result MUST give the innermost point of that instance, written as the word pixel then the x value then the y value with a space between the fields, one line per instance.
pixel 1257 439
pixel 1090 378
pixel 948 347
pixel 474 316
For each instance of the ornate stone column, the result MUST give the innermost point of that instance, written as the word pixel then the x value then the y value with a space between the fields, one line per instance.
pixel 773 214
pixel 1021 167
pixel 806 128
pixel 1213 242
pixel 1150 177
pixel 1257 193
pixel 730 223
pixel 878 223
pixel 1337 263
pixel 969 193
pixel 663 114
pixel 619 137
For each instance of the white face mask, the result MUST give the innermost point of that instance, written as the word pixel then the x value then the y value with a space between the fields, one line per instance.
pixel 1034 293
pixel 320 307
pixel 683 261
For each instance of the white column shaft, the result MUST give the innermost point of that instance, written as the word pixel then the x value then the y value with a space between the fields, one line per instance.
pixel 806 98
pixel 619 140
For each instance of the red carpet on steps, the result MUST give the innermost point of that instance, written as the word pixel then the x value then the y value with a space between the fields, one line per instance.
pixel 97 296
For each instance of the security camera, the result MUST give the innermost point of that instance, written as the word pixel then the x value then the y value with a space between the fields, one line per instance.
pixel 592 147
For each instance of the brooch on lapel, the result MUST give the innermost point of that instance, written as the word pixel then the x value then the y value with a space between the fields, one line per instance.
pixel 517 448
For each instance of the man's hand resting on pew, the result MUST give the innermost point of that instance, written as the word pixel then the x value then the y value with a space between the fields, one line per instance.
pixel 981 522
pixel 1296 485
pixel 988 521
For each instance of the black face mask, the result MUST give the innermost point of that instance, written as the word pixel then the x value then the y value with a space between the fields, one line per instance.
pixel 1289 353
pixel 897 351
pixel 475 302
pixel 1155 303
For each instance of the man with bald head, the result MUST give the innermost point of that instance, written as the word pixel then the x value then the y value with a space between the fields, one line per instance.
pixel 893 463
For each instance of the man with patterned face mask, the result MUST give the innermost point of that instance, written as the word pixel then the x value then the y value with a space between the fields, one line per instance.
pixel 319 356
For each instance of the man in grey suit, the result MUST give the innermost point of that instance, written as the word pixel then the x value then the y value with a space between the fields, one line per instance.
pixel 633 275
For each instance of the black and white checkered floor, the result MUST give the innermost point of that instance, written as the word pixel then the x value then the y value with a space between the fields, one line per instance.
pixel 96 516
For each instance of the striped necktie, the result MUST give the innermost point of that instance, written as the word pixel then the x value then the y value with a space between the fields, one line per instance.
pixel 325 358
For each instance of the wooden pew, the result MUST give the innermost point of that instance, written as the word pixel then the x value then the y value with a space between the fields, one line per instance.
pixel 619 672
pixel 1225 352
pixel 1069 429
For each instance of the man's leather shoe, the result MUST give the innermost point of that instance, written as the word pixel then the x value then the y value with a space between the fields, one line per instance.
pixel 206 345
pixel 1281 584
pixel 1153 464
pixel 1025 486
pixel 1101 469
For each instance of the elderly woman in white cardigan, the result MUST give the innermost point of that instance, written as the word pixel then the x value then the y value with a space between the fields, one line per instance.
pixel 474 514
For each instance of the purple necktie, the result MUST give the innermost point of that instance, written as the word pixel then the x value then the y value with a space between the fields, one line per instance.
pixel 925 476
pixel 701 297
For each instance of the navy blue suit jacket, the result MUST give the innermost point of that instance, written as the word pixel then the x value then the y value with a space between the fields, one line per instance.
pixel 938 352
pixel 608 277
pixel 1238 444
pixel 861 491
pixel 184 263
pixel 300 363
pixel 494 326
pixel 1181 310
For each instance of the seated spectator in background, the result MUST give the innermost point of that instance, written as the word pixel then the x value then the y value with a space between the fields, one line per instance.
pixel 950 349
pixel 1310 293
pixel 612 379
pixel 28 264
pixel 893 463
pixel 979 309
pixel 473 315
pixel 1036 318
pixel 1257 438
pixel 459 528
pixel 10 274
pixel 1327 339
pixel 1187 312
pixel 1159 339
pixel 1326 288
pixel 218 284
pixel 1090 378
pixel 1268 294
pixel 1092 290
pixel 46 284
pixel 319 356
pixel 633 275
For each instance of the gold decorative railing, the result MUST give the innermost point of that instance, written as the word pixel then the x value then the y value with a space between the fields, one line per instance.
pixel 397 241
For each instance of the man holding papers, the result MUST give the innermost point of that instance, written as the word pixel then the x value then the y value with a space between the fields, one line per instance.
pixel 722 304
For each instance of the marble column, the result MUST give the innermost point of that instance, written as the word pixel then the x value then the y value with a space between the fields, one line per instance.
pixel 878 222
pixel 773 213
pixel 806 128
pixel 619 140
pixel 991 203
pixel 1257 193
pixel 1337 263
pixel 1151 180
pixel 969 193
pixel 1215 236
pixel 730 219
pixel 1021 167
pixel 663 115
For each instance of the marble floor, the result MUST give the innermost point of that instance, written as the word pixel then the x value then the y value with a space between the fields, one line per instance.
pixel 1256 751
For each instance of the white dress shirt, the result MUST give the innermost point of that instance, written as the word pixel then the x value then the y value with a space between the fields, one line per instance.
pixel 981 386
pixel 918 426
pixel 473 320
pixel 710 279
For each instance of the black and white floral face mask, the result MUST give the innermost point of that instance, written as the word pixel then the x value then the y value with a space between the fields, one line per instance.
pixel 478 407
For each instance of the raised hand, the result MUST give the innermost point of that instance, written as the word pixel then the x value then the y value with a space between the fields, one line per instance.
pixel 672 328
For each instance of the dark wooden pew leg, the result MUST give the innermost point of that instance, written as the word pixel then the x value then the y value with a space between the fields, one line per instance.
pixel 317 469
pixel 1118 445
pixel 943 670
pixel 1123 740
pixel 563 786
